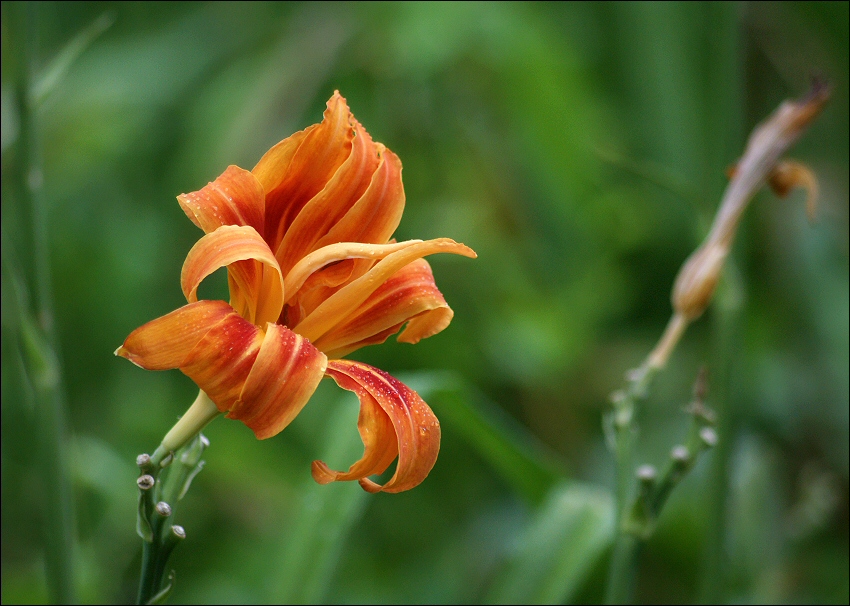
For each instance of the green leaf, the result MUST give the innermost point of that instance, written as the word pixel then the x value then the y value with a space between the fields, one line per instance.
pixel 163 594
pixel 143 525
pixel 63 61
pixel 313 542
pixel 559 548
pixel 511 449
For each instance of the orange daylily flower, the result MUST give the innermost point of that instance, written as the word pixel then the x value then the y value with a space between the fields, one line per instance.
pixel 313 275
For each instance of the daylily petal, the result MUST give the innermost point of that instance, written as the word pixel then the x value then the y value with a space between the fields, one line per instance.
pixel 393 419
pixel 333 254
pixel 328 206
pixel 410 295
pixel 321 152
pixel 164 343
pixel 256 292
pixel 222 359
pixel 235 198
pixel 336 309
pixel 377 213
pixel 285 374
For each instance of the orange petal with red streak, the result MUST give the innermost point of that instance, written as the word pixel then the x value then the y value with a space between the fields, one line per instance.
pixel 256 291
pixel 222 359
pixel 410 295
pixel 285 374
pixel 235 198
pixel 393 418
pixel 337 308
pixel 319 154
pixel 164 343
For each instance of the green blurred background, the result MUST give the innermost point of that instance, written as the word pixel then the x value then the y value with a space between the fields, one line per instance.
pixel 580 149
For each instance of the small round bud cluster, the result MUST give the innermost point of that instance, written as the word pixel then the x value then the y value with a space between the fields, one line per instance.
pixel 146 482
pixel 163 509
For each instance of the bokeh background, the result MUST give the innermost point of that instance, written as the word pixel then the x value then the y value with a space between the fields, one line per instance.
pixel 580 149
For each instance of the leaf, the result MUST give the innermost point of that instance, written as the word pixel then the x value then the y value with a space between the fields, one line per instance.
pixel 559 548
pixel 163 594
pixel 59 66
pixel 314 540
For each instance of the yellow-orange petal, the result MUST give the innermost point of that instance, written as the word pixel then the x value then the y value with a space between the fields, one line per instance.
pixel 222 359
pixel 318 156
pixel 235 198
pixel 327 207
pixel 258 292
pixel 334 253
pixel 377 213
pixel 410 295
pixel 164 343
pixel 338 307
pixel 393 419
pixel 285 374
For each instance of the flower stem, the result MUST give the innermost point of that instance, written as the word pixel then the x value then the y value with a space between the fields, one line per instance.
pixel 200 413
pixel 159 497
pixel 40 342
pixel 620 428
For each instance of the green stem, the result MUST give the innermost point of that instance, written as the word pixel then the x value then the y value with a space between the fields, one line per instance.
pixel 40 340
pixel 727 320
pixel 621 577
pixel 159 503
pixel 621 572
pixel 148 584
pixel 723 141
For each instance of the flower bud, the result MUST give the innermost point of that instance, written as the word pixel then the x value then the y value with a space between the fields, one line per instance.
pixel 146 482
pixel 697 280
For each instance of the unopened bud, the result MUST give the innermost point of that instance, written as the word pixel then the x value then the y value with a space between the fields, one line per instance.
pixel 163 509
pixel 178 531
pixel 143 460
pixel 146 482
pixel 697 280
pixel 788 175
pixel 646 474
pixel 708 436
pixel 680 454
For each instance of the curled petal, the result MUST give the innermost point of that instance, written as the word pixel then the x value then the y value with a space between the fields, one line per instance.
pixel 328 206
pixel 235 198
pixel 337 308
pixel 393 419
pixel 322 150
pixel 333 254
pixel 222 359
pixel 165 342
pixel 256 291
pixel 410 295
pixel 788 175
pixel 284 375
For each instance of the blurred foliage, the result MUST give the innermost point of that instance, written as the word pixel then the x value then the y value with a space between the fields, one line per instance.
pixel 580 149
